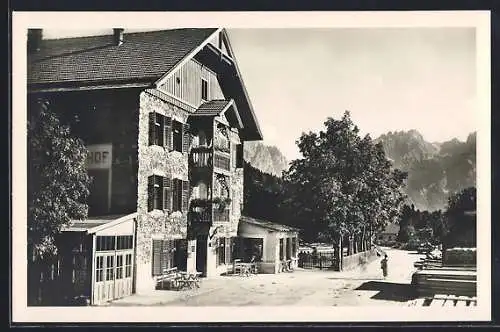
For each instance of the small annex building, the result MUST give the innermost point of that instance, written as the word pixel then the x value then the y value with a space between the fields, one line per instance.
pixel 272 244
pixel 97 258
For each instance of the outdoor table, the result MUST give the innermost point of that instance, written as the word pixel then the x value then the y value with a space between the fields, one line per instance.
pixel 245 268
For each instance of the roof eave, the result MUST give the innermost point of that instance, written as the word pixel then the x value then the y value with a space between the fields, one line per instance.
pixel 143 82
pixel 186 58
pixel 258 135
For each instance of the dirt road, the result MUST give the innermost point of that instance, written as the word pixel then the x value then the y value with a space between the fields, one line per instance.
pixel 364 286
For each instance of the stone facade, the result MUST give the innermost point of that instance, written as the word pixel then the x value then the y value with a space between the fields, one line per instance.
pixel 156 160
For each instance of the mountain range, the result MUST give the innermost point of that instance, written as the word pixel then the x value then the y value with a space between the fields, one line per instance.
pixel 266 158
pixel 435 170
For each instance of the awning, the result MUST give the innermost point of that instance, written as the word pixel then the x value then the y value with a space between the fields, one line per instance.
pixel 95 224
pixel 268 225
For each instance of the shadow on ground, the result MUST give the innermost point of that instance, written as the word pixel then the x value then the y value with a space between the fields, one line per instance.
pixel 390 291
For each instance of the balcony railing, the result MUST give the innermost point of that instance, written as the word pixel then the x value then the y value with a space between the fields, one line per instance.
pixel 209 215
pixel 202 217
pixel 222 161
pixel 206 157
pixel 221 216
pixel 201 157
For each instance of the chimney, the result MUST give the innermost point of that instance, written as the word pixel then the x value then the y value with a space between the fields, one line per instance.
pixel 118 36
pixel 34 39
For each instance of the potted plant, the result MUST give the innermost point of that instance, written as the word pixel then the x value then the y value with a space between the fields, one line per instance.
pixel 221 203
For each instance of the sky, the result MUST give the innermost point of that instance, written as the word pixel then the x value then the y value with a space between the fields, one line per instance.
pixel 389 79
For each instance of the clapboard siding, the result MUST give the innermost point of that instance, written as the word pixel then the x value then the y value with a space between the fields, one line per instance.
pixel 185 83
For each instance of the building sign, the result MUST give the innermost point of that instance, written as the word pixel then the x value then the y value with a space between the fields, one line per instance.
pixel 99 156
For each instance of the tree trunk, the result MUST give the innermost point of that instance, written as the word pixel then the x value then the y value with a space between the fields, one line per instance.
pixel 341 253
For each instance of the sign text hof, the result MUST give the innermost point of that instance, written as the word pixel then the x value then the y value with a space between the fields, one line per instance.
pixel 99 156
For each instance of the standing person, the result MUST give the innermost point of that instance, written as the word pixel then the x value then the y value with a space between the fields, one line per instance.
pixel 383 266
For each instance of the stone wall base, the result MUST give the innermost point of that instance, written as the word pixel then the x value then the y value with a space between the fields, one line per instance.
pixel 353 261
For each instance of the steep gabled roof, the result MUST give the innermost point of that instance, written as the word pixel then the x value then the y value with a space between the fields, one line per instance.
pixel 142 56
pixel 145 59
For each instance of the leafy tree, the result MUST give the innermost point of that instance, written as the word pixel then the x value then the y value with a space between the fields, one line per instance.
pixel 262 195
pixel 58 183
pixel 459 223
pixel 343 185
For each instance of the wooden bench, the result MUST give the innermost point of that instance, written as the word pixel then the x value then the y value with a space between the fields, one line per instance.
pixel 168 275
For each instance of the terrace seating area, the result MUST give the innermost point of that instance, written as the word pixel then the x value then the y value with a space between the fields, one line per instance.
pixel 178 280
pixel 241 268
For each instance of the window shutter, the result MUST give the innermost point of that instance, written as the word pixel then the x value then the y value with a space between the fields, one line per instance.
pixel 185 195
pixel 175 194
pixel 151 198
pixel 157 251
pixel 152 128
pixel 165 255
pixel 161 134
pixel 167 194
pixel 239 155
pixel 186 137
pixel 167 133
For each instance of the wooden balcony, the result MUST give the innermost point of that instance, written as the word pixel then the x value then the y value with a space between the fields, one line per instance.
pixel 221 216
pixel 222 161
pixel 208 215
pixel 200 217
pixel 203 157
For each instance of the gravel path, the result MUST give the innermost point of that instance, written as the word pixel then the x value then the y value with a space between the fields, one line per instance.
pixel 364 286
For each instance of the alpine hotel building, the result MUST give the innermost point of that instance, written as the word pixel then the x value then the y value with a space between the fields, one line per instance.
pixel 164 115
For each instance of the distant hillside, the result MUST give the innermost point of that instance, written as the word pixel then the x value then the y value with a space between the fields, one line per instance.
pixel 267 159
pixel 435 170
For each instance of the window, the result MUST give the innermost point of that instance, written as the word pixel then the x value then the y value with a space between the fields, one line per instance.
pixel 119 267
pixel 105 243
pixel 128 265
pixel 177 136
pixel 180 195
pixel 160 130
pixel 163 255
pixel 156 129
pixel 221 251
pixel 204 89
pixel 155 192
pixel 124 242
pixel 99 269
pixel 110 267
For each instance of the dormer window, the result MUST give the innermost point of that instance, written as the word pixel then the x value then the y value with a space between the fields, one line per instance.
pixel 204 89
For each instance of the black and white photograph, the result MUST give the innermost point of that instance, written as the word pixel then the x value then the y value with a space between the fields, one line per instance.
pixel 251 166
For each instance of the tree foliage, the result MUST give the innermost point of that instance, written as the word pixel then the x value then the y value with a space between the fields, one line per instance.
pixel 344 184
pixel 462 227
pixel 58 183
